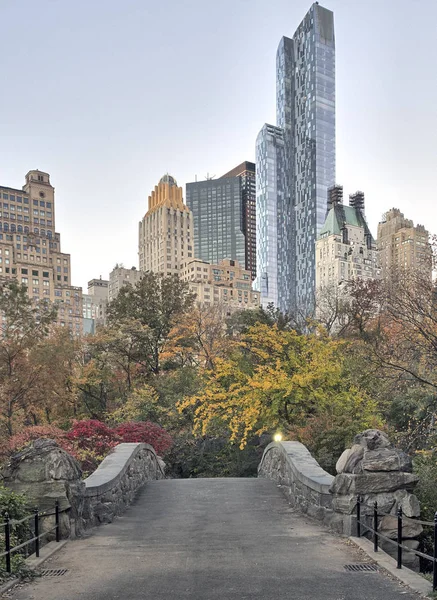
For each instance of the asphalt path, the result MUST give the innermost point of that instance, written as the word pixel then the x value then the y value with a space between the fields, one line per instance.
pixel 211 539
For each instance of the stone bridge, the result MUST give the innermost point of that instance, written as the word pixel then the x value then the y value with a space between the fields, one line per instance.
pixel 224 539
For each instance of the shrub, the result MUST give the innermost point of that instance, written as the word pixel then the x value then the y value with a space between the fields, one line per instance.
pixel 16 506
pixel 145 432
pixel 93 440
pixel 29 434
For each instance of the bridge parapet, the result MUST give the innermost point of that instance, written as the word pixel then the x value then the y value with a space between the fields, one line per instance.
pixel 115 483
pixel 303 481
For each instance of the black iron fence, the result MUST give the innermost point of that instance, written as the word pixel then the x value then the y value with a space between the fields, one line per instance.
pixel 34 542
pixel 371 525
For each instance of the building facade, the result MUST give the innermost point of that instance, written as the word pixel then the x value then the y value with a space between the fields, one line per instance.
pixel 345 248
pixel 96 301
pixel 305 102
pixel 119 277
pixel 403 245
pixel 217 208
pixel 226 284
pixel 30 248
pixel 271 263
pixel 166 232
pixel 247 174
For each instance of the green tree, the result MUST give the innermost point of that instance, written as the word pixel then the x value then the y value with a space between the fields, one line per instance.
pixel 151 309
pixel 24 325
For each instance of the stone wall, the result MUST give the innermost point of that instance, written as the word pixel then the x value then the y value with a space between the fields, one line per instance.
pixel 377 472
pixel 372 468
pixel 44 472
pixel 115 483
pixel 303 481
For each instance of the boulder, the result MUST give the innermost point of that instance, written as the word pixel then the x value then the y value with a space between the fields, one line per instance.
pixel 372 483
pixel 386 459
pixel 341 463
pixel 408 502
pixel 389 527
pixel 371 439
pixel 44 472
pixel 353 463
pixel 409 559
pixel 386 502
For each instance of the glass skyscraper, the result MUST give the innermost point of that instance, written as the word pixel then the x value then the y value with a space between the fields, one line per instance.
pixel 217 210
pixel 225 217
pixel 305 69
pixel 269 211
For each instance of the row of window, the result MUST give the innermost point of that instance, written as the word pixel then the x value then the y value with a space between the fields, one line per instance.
pixel 24 200
pixel 24 229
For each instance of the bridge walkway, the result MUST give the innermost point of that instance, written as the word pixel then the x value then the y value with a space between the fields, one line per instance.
pixel 210 539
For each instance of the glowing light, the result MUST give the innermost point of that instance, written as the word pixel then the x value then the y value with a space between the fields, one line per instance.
pixel 278 437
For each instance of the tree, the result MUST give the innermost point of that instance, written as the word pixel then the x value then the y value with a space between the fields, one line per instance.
pixel 394 326
pixel 199 338
pixel 23 327
pixel 150 310
pixel 276 379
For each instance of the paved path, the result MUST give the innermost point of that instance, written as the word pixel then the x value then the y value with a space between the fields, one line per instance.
pixel 210 539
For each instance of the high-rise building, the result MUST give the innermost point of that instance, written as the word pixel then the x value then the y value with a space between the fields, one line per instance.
pixel 305 103
pixel 224 223
pixel 247 175
pixel 98 297
pixel 403 245
pixel 269 208
pixel 119 277
pixel 166 231
pixel 226 284
pixel 30 248
pixel 345 248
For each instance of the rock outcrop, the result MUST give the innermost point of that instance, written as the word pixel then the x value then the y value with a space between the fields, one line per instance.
pixel 44 472
pixel 377 472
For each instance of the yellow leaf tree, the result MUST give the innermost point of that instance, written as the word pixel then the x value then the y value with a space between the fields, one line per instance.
pixel 278 379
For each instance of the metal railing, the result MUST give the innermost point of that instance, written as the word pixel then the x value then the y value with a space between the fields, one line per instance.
pixel 376 534
pixel 9 524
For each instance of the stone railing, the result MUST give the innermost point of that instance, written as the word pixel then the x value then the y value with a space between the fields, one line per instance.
pixel 303 481
pixel 115 483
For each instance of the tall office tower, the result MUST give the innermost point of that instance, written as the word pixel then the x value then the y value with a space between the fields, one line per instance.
pixel 271 266
pixel 30 248
pixel 401 245
pixel 246 173
pixel 165 232
pixel 221 229
pixel 305 102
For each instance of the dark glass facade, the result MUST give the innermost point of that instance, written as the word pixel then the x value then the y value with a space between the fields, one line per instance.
pixel 216 205
pixel 246 172
pixel 224 213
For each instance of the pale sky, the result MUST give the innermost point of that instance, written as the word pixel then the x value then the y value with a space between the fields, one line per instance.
pixel 108 95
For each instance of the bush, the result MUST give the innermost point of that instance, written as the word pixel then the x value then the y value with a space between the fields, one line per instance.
pixel 145 432
pixel 16 507
pixel 18 441
pixel 91 440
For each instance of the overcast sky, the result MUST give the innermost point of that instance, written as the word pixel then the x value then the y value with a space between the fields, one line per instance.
pixel 108 95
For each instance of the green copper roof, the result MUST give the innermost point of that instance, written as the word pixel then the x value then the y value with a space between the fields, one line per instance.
pixel 341 215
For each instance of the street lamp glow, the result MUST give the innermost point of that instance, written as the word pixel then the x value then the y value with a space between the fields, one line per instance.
pixel 278 437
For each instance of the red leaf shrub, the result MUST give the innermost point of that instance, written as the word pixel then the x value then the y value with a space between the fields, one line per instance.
pixel 145 432
pixel 90 441
pixel 29 434
pixel 94 440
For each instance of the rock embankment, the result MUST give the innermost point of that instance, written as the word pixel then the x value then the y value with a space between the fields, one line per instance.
pixel 377 472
